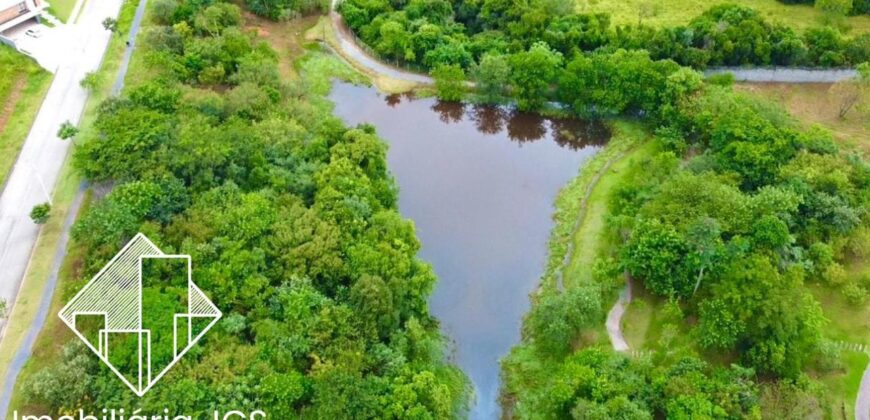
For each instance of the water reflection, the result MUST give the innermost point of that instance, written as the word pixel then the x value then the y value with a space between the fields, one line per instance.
pixel 522 127
pixel 479 183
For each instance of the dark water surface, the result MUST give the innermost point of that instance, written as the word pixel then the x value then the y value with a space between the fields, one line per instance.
pixel 479 183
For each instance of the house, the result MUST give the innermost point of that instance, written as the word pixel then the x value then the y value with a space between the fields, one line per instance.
pixel 16 12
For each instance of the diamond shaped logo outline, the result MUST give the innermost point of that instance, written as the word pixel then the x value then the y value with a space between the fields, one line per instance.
pixel 110 292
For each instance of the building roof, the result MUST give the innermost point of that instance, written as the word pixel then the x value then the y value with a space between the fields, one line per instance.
pixel 5 4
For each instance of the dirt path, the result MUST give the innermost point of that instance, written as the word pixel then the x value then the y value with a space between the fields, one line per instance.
pixel 560 283
pixel 14 95
pixel 614 317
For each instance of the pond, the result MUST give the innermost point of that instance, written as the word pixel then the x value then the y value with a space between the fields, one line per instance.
pixel 479 184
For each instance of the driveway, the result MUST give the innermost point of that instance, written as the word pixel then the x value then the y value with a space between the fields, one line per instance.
pixel 50 49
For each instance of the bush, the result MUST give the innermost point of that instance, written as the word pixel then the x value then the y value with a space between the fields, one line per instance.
pixel 449 82
pixel 854 293
pixel 834 275
pixel 92 81
pixel 67 131
pixel 40 213
pixel 558 317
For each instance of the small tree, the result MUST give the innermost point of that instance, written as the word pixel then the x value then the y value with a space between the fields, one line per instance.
pixel 491 76
pixel 849 92
pixel 834 10
pixel 646 9
pixel 40 213
pixel 449 82
pixel 92 81
pixel 110 24
pixel 67 131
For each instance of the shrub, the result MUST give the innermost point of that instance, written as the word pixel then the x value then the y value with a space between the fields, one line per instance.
pixel 449 82
pixel 40 213
pixel 854 293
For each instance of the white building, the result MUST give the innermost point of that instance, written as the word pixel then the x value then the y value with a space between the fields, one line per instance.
pixel 16 12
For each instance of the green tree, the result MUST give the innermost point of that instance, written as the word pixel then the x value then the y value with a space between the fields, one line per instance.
pixel 533 73
pixel 557 318
pixel 449 82
pixel 658 255
pixel 110 24
pixel 834 7
pixel 491 76
pixel 92 81
pixel 67 131
pixel 40 213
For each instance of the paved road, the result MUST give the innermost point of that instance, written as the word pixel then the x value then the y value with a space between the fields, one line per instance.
pixel 38 166
pixel 131 44
pixel 43 154
pixel 349 47
pixel 24 351
pixel 785 75
pixel 862 403
pixel 614 318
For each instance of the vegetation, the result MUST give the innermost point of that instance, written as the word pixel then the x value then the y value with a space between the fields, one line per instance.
pixel 62 9
pixel 40 213
pixel 732 218
pixel 430 34
pixel 67 131
pixel 47 349
pixel 293 227
pixel 23 84
pixel 675 12
pixel 731 222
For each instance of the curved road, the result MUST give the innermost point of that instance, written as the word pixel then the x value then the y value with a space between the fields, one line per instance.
pixel 349 48
pixel 95 12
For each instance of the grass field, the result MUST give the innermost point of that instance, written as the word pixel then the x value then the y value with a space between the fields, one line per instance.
pixel 581 211
pixel 23 85
pixel 817 103
pixel 590 239
pixel 62 9
pixel 323 31
pixel 54 334
pixel 680 12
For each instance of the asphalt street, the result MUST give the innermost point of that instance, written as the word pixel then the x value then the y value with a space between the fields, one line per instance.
pixel 39 163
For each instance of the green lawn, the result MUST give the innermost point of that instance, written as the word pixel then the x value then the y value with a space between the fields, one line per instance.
pixel 62 9
pixel 582 208
pixel 590 238
pixel 677 12
pixel 23 85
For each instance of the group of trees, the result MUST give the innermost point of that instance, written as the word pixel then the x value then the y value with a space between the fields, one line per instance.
pixel 739 212
pixel 839 7
pixel 597 384
pixel 432 33
pixel 291 222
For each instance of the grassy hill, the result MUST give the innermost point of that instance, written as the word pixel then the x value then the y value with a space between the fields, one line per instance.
pixel 679 12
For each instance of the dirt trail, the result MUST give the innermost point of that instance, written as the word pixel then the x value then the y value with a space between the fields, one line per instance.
pixel 14 95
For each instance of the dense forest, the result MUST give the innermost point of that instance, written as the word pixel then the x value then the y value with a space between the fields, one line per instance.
pixel 291 221
pixel 741 210
pixel 291 217
pixel 431 33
